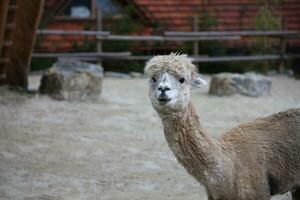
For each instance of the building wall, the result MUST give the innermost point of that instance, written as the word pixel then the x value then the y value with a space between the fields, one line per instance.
pixel 177 15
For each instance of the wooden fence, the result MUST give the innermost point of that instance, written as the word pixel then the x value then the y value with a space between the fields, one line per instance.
pixel 194 37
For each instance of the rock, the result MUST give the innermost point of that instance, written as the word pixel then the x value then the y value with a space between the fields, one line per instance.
pixel 249 84
pixel 116 75
pixel 72 81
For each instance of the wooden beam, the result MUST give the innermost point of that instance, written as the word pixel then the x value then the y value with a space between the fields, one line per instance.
pixel 25 24
pixel 240 58
pixel 232 33
pixel 4 60
pixel 198 59
pixel 10 26
pixel 73 32
pixel 195 43
pixel 163 38
pixel 3 16
pixel 12 8
pixel 7 43
pixel 99 28
pixel 84 54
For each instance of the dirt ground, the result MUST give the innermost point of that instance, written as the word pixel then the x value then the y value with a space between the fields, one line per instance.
pixel 113 149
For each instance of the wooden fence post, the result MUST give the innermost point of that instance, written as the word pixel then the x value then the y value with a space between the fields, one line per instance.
pixel 99 28
pixel 282 48
pixel 195 43
pixel 282 54
pixel 23 34
pixel 4 5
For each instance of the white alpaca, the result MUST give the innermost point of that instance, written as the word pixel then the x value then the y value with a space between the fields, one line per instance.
pixel 250 162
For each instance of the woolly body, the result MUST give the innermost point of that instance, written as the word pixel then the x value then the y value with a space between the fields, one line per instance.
pixel 252 161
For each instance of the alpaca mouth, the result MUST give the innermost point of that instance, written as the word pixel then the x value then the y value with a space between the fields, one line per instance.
pixel 164 100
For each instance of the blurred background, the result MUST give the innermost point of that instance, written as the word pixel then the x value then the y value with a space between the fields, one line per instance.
pixel 232 36
pixel 75 118
pixel 157 18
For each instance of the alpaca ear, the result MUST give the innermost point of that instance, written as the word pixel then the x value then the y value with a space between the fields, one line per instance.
pixel 198 82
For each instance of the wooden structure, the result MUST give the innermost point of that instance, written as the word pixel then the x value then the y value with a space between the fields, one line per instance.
pixel 158 16
pixel 19 20
pixel 195 36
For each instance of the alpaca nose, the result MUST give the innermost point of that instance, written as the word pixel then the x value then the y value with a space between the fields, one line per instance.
pixel 163 88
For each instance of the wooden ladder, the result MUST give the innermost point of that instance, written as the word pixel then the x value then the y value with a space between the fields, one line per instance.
pixel 7 26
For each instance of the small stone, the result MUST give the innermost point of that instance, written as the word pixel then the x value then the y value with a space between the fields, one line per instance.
pixel 72 81
pixel 249 84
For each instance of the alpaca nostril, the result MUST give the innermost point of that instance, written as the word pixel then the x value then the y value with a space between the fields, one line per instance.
pixel 163 89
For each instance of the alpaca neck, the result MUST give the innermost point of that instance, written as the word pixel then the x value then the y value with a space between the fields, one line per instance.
pixel 193 148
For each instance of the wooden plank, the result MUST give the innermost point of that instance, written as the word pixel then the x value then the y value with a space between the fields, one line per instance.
pixel 195 43
pixel 240 58
pixel 12 8
pixel 99 28
pixel 73 32
pixel 162 38
pixel 3 16
pixel 282 52
pixel 198 59
pixel 231 33
pixel 128 56
pixel 81 54
pixel 27 20
pixel 4 60
pixel 7 44
pixel 10 26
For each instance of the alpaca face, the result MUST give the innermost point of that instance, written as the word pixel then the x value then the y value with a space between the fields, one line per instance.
pixel 168 92
pixel 170 78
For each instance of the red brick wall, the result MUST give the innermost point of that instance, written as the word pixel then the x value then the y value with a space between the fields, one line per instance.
pixel 63 43
pixel 176 15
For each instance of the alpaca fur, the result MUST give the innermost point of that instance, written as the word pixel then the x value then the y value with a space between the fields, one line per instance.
pixel 252 161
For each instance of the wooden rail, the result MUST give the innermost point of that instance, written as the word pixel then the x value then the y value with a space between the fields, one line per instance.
pixel 65 32
pixel 166 38
pixel 82 55
pixel 195 37
pixel 105 35
pixel 233 33
pixel 127 56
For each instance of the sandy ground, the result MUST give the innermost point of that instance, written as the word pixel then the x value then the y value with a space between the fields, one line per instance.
pixel 112 149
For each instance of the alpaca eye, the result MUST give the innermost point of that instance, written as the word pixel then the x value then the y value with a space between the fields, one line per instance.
pixel 181 80
pixel 154 80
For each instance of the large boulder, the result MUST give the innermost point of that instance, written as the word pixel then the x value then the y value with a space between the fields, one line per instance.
pixel 249 84
pixel 72 81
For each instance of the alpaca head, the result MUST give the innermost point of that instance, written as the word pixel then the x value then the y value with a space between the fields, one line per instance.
pixel 170 78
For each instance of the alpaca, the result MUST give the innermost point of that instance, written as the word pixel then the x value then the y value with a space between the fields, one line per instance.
pixel 252 161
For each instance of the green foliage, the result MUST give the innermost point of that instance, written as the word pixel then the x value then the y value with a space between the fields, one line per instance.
pixel 211 48
pixel 206 22
pixel 85 46
pixel 126 24
pixel 266 20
